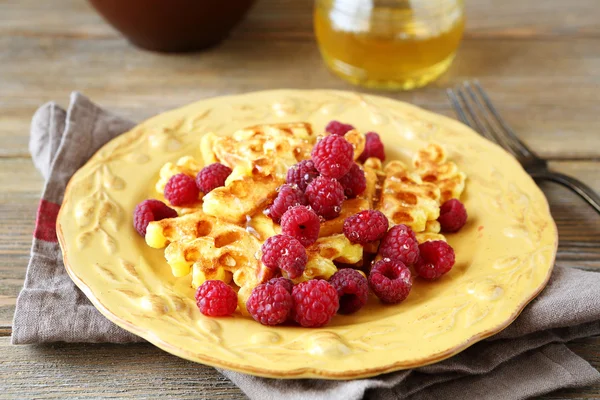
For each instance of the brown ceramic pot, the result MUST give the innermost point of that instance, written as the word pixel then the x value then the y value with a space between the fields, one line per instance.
pixel 173 25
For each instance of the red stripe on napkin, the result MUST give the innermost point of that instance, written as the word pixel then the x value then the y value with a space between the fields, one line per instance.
pixel 45 222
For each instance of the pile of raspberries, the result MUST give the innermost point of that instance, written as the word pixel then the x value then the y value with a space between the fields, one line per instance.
pixel 314 191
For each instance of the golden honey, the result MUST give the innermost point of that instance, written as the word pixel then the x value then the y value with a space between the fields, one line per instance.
pixel 393 44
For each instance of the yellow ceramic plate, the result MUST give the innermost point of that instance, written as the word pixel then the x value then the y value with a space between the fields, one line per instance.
pixel 505 253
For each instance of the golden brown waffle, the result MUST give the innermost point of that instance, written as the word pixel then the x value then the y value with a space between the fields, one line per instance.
pixel 431 165
pixel 264 149
pixel 407 199
pixel 204 242
pixel 240 198
pixel 357 140
pixel 259 157
pixel 431 232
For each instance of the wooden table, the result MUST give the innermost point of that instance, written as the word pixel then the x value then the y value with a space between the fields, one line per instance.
pixel 539 59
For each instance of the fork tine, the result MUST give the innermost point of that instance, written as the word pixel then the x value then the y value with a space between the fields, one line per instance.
pixel 457 107
pixel 462 108
pixel 484 119
pixel 478 126
pixel 517 144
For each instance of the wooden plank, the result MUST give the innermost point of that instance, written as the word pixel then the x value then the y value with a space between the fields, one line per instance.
pixel 515 19
pixel 578 224
pixel 293 19
pixel 106 371
pixel 139 84
pixel 21 186
pixel 88 370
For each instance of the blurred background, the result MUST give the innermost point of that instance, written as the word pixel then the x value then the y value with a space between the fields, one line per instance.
pixel 538 55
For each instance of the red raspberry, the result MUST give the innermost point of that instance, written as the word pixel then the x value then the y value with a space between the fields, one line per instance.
pixel 212 176
pixel 437 258
pixel 366 226
pixel 338 128
pixel 302 174
pixel 400 243
pixel 352 289
pixel 453 215
pixel 390 280
pixel 332 156
pixel 181 190
pixel 302 223
pixel 288 196
pixel 148 211
pixel 286 283
pixel 286 253
pixel 373 147
pixel 325 196
pixel 315 303
pixel 216 298
pixel 270 304
pixel 354 182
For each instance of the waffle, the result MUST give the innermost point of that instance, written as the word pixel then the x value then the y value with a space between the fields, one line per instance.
pixel 221 236
pixel 413 197
pixel 431 165
pixel 266 149
pixel 407 199
pixel 357 140
pixel 259 157
pixel 215 249
pixel 431 232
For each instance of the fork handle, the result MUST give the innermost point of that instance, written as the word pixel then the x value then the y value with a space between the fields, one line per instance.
pixel 575 185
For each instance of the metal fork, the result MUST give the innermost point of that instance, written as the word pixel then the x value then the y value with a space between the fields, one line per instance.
pixel 474 108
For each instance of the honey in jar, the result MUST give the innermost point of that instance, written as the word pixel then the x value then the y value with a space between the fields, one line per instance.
pixel 389 44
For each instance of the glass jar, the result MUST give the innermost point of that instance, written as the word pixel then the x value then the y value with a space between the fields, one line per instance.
pixel 389 44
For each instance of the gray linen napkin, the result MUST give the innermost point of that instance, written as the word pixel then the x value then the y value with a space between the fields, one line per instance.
pixel 525 360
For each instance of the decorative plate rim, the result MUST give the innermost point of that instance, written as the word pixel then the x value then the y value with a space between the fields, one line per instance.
pixel 305 372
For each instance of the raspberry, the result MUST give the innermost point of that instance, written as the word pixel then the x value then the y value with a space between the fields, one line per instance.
pixel 216 299
pixel 354 182
pixel 288 196
pixel 373 147
pixel 400 243
pixel 352 289
pixel 302 223
pixel 332 156
pixel 148 211
pixel 286 253
pixel 390 280
pixel 453 215
pixel 286 283
pixel 181 190
pixel 325 196
pixel 212 176
pixel 315 303
pixel 338 128
pixel 302 174
pixel 270 304
pixel 366 226
pixel 437 258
